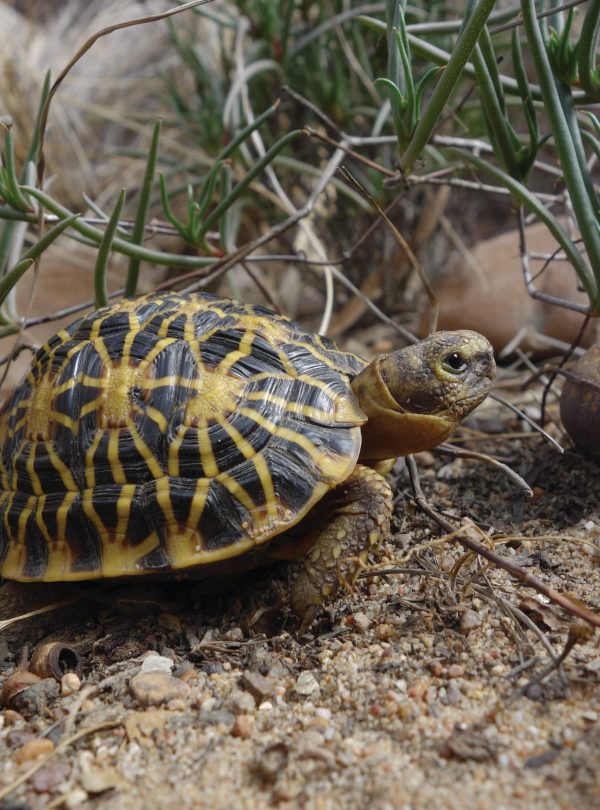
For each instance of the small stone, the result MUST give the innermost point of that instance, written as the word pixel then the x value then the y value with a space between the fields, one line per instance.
pixel 436 668
pixel 50 777
pixel 242 728
pixel 34 749
pixel 417 690
pixel 385 631
pixel 465 744
pixel 452 696
pixel 361 622
pixel 11 717
pixel 265 706
pixel 156 687
pixel 69 684
pixel 74 798
pixel 19 736
pixel 469 621
pixel 142 724
pixel 94 781
pixel 241 702
pixel 306 684
pixel 259 687
pixel 425 458
pixel 156 663
pixel 186 673
pixel 455 671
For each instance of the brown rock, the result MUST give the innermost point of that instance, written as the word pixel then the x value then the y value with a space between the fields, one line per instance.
pixel 491 296
pixel 69 684
pixel 50 777
pixel 142 724
pixel 469 621
pixel 258 685
pixel 242 728
pixel 33 749
pixel 156 687
pixel 580 403
pixel 11 717
pixel 96 781
pixel 18 737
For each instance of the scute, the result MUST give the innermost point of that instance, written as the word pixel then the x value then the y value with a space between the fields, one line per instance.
pixel 167 433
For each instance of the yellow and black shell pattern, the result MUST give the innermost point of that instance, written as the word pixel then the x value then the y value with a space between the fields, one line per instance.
pixel 170 432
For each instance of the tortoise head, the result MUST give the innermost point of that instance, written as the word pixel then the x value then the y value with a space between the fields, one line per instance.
pixel 415 397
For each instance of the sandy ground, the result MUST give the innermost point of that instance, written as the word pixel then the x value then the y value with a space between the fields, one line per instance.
pixel 427 686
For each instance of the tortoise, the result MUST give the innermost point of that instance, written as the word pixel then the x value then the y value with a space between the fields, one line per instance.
pixel 192 435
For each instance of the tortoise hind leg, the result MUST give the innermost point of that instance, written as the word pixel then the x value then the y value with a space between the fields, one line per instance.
pixel 357 517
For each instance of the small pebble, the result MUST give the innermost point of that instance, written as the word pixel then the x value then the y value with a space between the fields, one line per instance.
pixel 242 728
pixel 74 798
pixel 306 684
pixel 469 620
pixel 99 781
pixel 361 622
pixel 385 631
pixel 455 671
pixel 33 749
pixel 69 684
pixel 417 690
pixel 259 687
pixel 241 702
pixel 425 458
pixel 19 736
pixel 156 687
pixel 50 776
pixel 436 668
pixel 11 717
pixel 156 663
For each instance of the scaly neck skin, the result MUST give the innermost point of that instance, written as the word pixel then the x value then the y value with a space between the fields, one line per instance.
pixel 415 397
pixel 390 431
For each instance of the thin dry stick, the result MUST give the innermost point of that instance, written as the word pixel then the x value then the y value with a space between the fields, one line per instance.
pixel 529 420
pixel 493 462
pixel 500 562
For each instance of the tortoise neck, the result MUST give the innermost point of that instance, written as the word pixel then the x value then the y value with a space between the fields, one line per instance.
pixel 390 430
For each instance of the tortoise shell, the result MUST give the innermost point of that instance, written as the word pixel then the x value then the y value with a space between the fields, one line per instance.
pixel 170 432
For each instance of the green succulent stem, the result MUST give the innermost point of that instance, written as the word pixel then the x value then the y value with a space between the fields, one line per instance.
pixel 141 215
pixel 449 78
pixel 94 235
pixel 587 51
pixel 587 217
pixel 498 125
pixel 104 248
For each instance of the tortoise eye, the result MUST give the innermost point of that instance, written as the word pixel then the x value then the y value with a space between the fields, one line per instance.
pixel 454 363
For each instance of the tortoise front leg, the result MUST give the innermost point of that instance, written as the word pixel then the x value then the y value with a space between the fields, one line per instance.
pixel 357 517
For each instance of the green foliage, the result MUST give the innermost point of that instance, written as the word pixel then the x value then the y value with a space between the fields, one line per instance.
pixel 412 73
